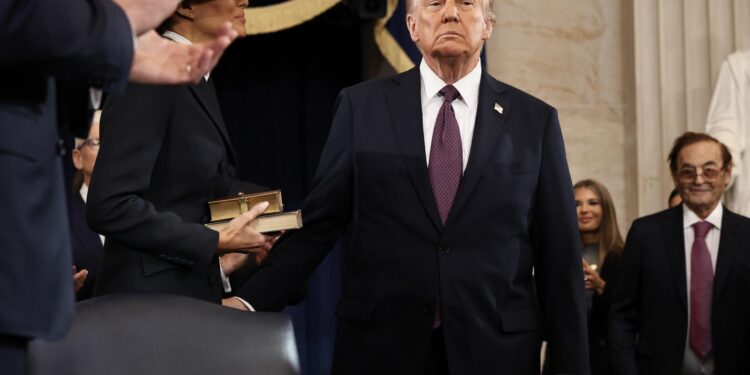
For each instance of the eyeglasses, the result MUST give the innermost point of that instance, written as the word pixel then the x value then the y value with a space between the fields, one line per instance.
pixel 690 174
pixel 93 143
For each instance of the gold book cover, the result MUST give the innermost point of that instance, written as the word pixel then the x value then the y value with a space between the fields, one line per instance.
pixel 268 223
pixel 229 208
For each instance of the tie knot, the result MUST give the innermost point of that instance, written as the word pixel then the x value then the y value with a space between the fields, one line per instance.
pixel 450 93
pixel 701 228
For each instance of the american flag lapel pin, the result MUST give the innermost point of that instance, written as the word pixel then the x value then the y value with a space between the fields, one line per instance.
pixel 498 108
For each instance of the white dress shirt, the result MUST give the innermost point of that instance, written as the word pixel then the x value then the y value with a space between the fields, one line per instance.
pixel 84 194
pixel 465 107
pixel 692 364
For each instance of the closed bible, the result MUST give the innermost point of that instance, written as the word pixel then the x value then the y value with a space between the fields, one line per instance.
pixel 229 208
pixel 268 223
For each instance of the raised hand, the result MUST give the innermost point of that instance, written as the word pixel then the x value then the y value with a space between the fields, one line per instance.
pixel 160 61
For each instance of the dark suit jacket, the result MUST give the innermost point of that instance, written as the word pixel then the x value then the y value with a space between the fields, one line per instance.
pixel 87 245
pixel 41 40
pixel 611 271
pixel 164 153
pixel 651 301
pixel 513 211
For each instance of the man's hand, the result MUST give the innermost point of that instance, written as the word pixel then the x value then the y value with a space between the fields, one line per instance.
pixel 234 303
pixel 160 61
pixel 238 236
pixel 263 251
pixel 79 278
pixel 232 262
pixel 145 15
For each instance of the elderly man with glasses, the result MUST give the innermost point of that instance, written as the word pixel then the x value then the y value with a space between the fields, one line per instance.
pixel 684 307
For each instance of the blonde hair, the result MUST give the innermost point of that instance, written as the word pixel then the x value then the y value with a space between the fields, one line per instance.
pixel 610 239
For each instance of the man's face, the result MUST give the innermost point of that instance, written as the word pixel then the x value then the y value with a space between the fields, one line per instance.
pixel 211 14
pixel 449 28
pixel 84 157
pixel 701 176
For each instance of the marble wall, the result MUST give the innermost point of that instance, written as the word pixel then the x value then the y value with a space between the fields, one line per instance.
pixel 572 54
pixel 627 77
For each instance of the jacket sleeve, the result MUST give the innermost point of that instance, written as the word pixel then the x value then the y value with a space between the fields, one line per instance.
pixel 326 213
pixel 623 319
pixel 133 128
pixel 558 271
pixel 88 40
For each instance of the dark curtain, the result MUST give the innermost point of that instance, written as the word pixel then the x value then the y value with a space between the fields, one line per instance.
pixel 277 93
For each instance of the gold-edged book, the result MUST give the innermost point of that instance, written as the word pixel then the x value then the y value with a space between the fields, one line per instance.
pixel 268 223
pixel 229 208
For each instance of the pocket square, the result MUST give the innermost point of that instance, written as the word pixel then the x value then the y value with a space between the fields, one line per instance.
pixel 498 108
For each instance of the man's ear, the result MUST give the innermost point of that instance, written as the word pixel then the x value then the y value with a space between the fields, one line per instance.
pixel 77 159
pixel 411 25
pixel 185 11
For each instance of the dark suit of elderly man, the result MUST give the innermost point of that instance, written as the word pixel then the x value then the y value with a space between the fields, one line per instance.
pixel 451 187
pixel 683 303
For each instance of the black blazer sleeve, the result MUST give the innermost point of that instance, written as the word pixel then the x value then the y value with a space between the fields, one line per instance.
pixel 133 128
pixel 623 319
pixel 81 39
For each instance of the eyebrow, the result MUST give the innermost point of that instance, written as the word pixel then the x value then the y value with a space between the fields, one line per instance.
pixel 706 164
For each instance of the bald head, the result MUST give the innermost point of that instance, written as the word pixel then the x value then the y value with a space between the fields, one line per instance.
pixel 487 6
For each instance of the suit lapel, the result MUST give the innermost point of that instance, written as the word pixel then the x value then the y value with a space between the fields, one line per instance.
pixel 675 242
pixel 728 245
pixel 487 129
pixel 405 105
pixel 206 96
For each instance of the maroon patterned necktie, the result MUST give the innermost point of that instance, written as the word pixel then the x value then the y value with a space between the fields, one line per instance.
pixel 446 157
pixel 701 291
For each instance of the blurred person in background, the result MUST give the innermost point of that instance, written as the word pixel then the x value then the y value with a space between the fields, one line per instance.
pixel 602 256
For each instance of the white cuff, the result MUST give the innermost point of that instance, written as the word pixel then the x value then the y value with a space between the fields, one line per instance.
pixel 225 280
pixel 249 306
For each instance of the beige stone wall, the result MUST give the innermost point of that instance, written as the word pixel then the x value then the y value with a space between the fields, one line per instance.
pixel 571 53
pixel 626 76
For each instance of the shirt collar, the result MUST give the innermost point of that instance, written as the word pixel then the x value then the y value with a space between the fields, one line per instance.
pixel 169 34
pixel 84 191
pixel 689 217
pixel 467 86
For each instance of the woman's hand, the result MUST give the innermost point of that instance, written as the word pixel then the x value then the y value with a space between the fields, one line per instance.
pixel 592 280
pixel 238 236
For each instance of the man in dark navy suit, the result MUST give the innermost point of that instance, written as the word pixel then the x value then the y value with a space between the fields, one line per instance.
pixel 41 41
pixel 452 187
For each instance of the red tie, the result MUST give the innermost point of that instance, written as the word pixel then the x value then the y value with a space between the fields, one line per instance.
pixel 701 291
pixel 446 162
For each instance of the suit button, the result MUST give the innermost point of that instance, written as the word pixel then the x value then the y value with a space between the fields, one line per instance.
pixel 427 309
pixel 231 172
pixel 223 166
pixel 444 249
